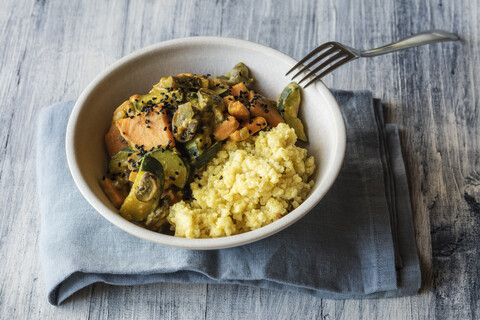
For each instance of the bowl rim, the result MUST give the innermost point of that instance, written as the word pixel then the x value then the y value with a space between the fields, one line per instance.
pixel 203 243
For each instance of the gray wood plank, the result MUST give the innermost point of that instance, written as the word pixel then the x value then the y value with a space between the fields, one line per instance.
pixel 50 50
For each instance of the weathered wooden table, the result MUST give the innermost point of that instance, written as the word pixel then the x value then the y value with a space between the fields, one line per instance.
pixel 50 50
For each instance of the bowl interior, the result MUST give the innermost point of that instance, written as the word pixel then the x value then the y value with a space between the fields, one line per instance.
pixel 138 72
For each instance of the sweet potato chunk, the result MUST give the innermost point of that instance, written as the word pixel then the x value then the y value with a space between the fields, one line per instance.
pixel 148 130
pixel 238 89
pixel 226 128
pixel 228 99
pixel 112 193
pixel 238 110
pixel 114 140
pixel 240 134
pixel 254 125
pixel 259 107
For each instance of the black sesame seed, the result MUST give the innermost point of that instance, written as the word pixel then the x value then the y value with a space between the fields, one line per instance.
pixel 221 177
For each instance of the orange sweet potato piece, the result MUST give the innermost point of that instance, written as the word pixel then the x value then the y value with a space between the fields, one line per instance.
pixel 228 99
pixel 148 130
pixel 254 125
pixel 132 176
pixel 238 89
pixel 238 110
pixel 259 107
pixel 226 128
pixel 114 140
pixel 240 134
pixel 113 194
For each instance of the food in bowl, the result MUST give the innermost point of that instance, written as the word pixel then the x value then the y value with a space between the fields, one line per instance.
pixel 199 157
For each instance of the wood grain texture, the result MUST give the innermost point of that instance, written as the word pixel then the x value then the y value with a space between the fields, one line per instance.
pixel 50 50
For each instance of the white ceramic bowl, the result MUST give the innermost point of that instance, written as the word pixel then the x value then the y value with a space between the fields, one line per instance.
pixel 137 72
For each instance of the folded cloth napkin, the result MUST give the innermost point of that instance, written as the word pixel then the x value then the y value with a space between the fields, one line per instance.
pixel 357 243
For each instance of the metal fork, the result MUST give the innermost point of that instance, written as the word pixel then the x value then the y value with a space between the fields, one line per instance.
pixel 333 54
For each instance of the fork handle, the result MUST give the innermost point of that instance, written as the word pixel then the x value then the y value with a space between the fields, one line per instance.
pixel 412 41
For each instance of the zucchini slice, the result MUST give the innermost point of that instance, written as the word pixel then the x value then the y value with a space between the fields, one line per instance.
pixel 201 160
pixel 175 169
pixel 146 190
pixel 288 104
pixel 181 81
pixel 120 162
pixel 198 145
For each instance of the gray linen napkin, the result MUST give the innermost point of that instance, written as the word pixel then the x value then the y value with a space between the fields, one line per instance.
pixel 357 243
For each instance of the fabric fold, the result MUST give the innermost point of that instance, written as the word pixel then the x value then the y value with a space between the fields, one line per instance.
pixel 358 242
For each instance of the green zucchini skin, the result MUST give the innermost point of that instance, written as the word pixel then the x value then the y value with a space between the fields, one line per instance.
pixel 182 82
pixel 201 160
pixel 175 168
pixel 119 163
pixel 138 209
pixel 288 104
pixel 239 73
pixel 221 89
pixel 198 145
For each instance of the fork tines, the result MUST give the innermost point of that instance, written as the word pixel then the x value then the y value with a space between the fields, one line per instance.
pixel 332 55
